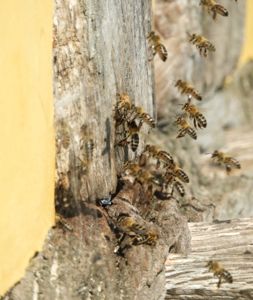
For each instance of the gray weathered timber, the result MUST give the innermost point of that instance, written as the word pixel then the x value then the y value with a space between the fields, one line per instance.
pixel 100 49
pixel 229 242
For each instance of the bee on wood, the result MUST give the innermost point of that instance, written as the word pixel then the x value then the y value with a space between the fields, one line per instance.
pixel 127 115
pixel 144 117
pixel 59 220
pixel 185 128
pixel 198 118
pixel 156 153
pixel 149 238
pixel 122 108
pixel 164 182
pixel 174 169
pixel 214 8
pixel 228 161
pixel 202 44
pixel 64 200
pixel 133 233
pixel 87 145
pixel 220 272
pixel 156 46
pixel 170 180
pixel 63 135
pixel 129 225
pixel 133 132
pixel 144 177
pixel 185 88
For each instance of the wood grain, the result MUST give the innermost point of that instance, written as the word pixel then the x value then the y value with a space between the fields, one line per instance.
pixel 100 49
pixel 229 242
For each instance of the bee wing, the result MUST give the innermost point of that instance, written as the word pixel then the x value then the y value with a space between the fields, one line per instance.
pixel 180 188
pixel 162 51
pixel 181 133
pixel 232 162
pixel 192 133
pixel 221 10
pixel 235 163
pixel 182 176
pixel 228 277
pixel 201 120
pixel 151 53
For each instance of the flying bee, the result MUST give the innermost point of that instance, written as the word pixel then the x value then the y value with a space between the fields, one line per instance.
pixel 198 118
pixel 174 169
pixel 228 161
pixel 202 44
pixel 156 46
pixel 185 128
pixel 220 272
pixel 159 155
pixel 187 89
pixel 214 8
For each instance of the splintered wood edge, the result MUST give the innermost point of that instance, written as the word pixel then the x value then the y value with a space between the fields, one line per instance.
pixel 230 243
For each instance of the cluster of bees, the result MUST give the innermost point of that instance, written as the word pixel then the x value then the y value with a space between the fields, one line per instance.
pixel 155 169
pixel 190 111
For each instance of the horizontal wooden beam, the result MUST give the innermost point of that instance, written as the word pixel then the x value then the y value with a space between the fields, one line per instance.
pixel 228 242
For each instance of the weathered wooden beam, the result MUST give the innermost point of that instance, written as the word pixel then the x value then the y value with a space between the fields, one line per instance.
pixel 228 242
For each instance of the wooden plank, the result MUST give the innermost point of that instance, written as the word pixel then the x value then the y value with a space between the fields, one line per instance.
pixel 100 49
pixel 228 242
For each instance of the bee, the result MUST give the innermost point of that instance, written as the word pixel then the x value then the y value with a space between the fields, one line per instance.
pixel 187 89
pixel 220 272
pixel 122 107
pixel 214 8
pixel 149 238
pixel 185 128
pixel 87 144
pixel 175 184
pixel 156 46
pixel 63 136
pixel 202 44
pixel 174 169
pixel 198 119
pixel 228 161
pixel 164 181
pixel 131 168
pixel 64 200
pixel 61 222
pixel 159 155
pixel 129 225
pixel 133 132
pixel 144 117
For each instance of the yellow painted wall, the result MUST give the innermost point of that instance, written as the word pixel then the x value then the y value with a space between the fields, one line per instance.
pixel 247 52
pixel 26 131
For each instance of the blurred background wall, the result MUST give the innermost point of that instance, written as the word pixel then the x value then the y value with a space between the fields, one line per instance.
pixel 27 134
